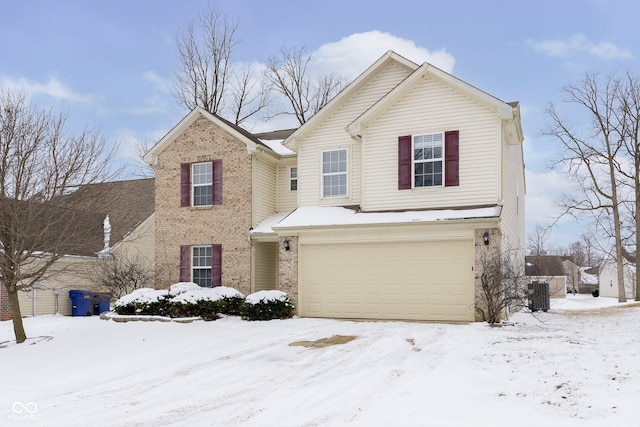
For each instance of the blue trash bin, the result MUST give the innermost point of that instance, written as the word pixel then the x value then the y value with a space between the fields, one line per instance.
pixel 101 302
pixel 80 302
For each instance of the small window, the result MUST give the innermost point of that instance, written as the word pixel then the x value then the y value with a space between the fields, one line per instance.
pixel 427 160
pixel 334 173
pixel 201 265
pixel 293 178
pixel 202 184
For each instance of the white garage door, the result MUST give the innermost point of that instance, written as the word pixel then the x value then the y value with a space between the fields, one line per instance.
pixel 404 280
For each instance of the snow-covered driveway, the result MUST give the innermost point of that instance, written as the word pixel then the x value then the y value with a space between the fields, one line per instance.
pixel 565 368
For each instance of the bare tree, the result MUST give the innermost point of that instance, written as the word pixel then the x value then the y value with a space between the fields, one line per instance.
pixel 536 240
pixel 122 276
pixel 40 162
pixel 629 117
pixel 502 285
pixel 205 49
pixel 288 74
pixel 250 96
pixel 206 76
pixel 591 157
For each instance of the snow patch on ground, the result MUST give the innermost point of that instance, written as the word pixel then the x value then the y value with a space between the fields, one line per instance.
pixel 575 365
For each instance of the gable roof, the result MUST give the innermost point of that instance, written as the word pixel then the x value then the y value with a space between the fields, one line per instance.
pixel 384 60
pixel 544 265
pixel 241 134
pixel 128 204
pixel 505 111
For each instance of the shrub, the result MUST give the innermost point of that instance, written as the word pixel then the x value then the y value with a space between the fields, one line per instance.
pixel 144 301
pixel 267 305
pixel 184 299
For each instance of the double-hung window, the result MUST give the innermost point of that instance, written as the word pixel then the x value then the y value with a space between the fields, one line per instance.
pixel 427 160
pixel 202 183
pixel 293 178
pixel 334 173
pixel 201 257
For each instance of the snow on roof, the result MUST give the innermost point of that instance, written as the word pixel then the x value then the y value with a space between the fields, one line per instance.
pixel 265 226
pixel 276 145
pixel 310 216
pixel 586 278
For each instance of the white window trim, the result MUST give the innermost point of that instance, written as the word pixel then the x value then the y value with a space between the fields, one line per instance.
pixel 292 179
pixel 322 175
pixel 200 268
pixel 413 161
pixel 193 185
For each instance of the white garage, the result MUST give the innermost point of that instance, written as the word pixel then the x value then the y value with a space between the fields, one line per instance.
pixel 404 280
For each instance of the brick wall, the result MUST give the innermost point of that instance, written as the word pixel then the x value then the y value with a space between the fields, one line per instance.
pixel 481 250
pixel 288 268
pixel 5 310
pixel 226 224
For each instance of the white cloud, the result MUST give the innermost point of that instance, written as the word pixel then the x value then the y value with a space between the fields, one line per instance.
pixel 353 54
pixel 543 190
pixel 152 105
pixel 579 43
pixel 160 83
pixel 52 87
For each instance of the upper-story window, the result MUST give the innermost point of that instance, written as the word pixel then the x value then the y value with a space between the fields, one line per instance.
pixel 293 178
pixel 202 183
pixel 334 173
pixel 427 160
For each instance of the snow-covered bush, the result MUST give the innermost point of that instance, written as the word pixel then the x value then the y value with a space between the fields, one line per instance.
pixel 267 305
pixel 144 301
pixel 231 300
pixel 184 299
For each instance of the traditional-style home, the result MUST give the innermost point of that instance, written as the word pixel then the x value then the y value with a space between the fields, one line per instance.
pixel 608 283
pixel 381 206
pixel 125 208
pixel 551 269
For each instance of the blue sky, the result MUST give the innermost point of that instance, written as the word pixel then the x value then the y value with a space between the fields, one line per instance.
pixel 109 63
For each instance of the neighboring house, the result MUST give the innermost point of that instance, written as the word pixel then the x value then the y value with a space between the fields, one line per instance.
pixel 588 279
pixel 381 206
pixel 608 283
pixel 129 205
pixel 550 269
pixel 572 271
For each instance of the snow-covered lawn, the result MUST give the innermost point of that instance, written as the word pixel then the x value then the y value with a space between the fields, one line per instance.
pixel 577 365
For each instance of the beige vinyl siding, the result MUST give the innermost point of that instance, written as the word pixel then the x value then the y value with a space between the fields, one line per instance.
pixel 66 274
pixel 430 107
pixel 513 197
pixel 286 200
pixel 139 245
pixel 331 135
pixel 264 189
pixel 265 266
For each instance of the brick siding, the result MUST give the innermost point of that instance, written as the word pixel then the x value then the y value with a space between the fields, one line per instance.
pixel 226 224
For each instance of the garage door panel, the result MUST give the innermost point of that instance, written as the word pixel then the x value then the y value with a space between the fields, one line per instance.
pixel 400 280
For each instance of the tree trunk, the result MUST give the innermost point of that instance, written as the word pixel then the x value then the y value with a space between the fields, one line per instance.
pixel 14 305
pixel 622 292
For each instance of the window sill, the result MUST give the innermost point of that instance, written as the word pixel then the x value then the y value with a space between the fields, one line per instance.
pixel 201 208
